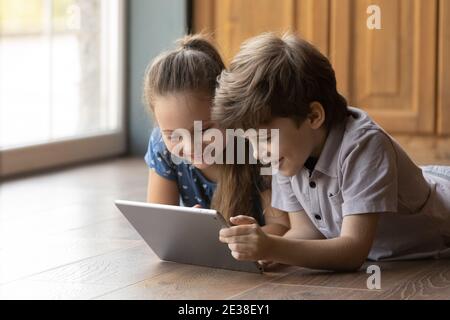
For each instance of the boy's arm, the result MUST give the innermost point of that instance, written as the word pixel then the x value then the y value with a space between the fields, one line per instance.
pixel 276 225
pixel 161 190
pixel 302 227
pixel 345 253
pixel 277 221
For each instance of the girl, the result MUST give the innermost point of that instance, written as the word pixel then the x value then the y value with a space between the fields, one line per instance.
pixel 179 87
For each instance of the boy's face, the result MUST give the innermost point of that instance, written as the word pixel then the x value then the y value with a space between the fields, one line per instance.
pixel 296 143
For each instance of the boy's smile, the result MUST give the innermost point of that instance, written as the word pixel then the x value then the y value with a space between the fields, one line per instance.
pixel 297 143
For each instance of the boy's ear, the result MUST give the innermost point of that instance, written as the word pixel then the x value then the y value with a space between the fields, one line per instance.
pixel 316 116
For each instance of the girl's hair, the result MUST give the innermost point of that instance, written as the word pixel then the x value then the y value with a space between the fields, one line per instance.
pixel 239 187
pixel 194 66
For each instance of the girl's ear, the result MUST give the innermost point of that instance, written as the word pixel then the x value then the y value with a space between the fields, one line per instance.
pixel 316 117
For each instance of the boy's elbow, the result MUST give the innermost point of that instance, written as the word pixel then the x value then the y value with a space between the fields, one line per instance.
pixel 355 266
pixel 355 256
pixel 355 263
pixel 349 266
pixel 352 261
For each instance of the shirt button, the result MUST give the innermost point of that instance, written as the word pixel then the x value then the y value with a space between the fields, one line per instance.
pixel 318 217
pixel 312 184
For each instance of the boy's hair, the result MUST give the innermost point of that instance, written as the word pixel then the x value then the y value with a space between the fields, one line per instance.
pixel 276 76
pixel 194 65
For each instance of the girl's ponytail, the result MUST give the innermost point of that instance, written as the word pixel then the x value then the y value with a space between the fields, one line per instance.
pixel 194 65
pixel 201 43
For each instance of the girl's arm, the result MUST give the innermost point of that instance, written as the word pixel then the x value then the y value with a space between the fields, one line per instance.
pixel 345 253
pixel 161 190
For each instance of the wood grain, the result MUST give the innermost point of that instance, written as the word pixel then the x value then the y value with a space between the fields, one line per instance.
pixel 274 291
pixel 193 282
pixel 56 245
pixel 120 268
pixel 443 117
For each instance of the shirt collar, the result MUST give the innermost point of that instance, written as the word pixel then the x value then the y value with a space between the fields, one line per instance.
pixel 328 158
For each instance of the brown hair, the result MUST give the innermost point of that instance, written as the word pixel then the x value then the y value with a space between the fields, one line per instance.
pixel 276 76
pixel 194 66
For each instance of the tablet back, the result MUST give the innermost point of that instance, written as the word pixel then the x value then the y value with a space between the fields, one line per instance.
pixel 183 235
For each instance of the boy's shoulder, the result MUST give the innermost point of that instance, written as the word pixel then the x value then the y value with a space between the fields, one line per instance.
pixel 362 134
pixel 359 123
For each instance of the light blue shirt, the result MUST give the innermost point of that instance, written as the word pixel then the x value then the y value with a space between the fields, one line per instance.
pixel 364 170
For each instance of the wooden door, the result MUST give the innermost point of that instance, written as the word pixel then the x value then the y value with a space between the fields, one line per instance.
pixel 234 21
pixel 391 72
pixel 443 119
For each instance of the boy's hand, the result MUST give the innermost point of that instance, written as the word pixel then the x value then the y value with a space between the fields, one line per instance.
pixel 241 220
pixel 246 240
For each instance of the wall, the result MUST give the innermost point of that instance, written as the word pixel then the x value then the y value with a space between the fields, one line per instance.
pixel 153 25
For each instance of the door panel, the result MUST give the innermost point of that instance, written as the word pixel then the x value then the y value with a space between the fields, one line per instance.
pixel 444 69
pixel 388 72
pixel 234 21
pixel 238 20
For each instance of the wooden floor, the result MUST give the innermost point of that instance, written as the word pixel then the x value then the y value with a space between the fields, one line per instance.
pixel 62 238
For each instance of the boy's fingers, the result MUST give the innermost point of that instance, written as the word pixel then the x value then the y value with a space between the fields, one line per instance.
pixel 241 220
pixel 240 256
pixel 238 247
pixel 197 206
pixel 237 230
pixel 235 239
pixel 268 264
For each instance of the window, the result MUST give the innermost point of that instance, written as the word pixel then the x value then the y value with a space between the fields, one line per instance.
pixel 61 81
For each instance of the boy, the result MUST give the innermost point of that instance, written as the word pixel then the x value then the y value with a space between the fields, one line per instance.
pixel 350 190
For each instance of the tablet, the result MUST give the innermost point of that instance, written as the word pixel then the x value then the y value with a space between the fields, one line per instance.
pixel 184 235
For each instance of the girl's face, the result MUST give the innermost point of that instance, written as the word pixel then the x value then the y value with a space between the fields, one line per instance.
pixel 180 111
